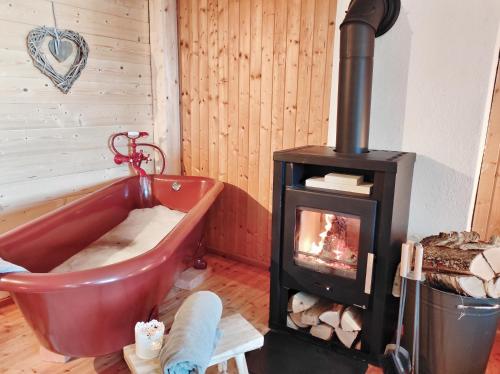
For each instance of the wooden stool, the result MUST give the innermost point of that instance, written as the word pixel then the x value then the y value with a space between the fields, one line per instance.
pixel 238 337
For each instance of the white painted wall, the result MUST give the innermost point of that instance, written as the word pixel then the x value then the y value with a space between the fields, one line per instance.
pixel 433 79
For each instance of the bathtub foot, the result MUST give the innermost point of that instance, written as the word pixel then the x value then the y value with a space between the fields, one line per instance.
pixel 50 356
pixel 155 313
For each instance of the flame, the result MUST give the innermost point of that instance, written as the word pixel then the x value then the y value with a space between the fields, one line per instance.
pixel 316 249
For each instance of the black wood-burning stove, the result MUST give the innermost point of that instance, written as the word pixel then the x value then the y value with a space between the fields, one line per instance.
pixel 341 246
pixel 362 271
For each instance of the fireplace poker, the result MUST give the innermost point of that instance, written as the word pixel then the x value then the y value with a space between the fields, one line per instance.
pixel 398 359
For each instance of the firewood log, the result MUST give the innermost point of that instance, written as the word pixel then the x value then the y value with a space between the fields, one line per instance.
pixel 461 284
pixel 457 261
pixel 478 245
pixel 351 319
pixel 464 240
pixel 492 255
pixel 332 316
pixel 493 288
pixel 322 331
pixel 346 337
pixel 297 320
pixel 302 301
pixel 451 239
pixel 311 316
pixel 358 345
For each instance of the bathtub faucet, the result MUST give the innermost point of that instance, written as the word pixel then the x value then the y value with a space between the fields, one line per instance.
pixel 135 157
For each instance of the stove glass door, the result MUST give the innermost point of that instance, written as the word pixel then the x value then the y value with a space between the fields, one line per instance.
pixel 327 241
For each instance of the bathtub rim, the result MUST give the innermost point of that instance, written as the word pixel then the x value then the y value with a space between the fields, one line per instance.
pixel 27 282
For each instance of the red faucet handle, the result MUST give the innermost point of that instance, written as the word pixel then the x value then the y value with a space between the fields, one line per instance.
pixel 136 134
pixel 146 157
pixel 119 159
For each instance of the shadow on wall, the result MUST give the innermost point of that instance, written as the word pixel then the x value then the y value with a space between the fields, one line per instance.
pixel 239 226
pixel 453 189
pixel 389 97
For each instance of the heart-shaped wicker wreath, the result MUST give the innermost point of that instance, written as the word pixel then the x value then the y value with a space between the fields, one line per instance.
pixel 35 40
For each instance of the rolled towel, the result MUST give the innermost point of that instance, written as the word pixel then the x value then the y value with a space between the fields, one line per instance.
pixel 8 267
pixel 193 336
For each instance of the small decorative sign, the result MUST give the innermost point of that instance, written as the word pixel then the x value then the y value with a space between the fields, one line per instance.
pixel 61 47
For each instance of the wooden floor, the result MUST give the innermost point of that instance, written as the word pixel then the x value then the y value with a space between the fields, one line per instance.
pixel 243 289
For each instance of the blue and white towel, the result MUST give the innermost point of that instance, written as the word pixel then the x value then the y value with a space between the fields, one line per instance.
pixel 8 267
pixel 193 336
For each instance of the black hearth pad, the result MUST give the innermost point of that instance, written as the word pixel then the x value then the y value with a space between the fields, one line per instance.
pixel 285 354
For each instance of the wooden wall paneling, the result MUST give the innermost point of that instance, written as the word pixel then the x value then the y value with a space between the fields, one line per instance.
pixel 223 103
pixel 39 12
pixel 307 26
pixel 18 63
pixel 243 122
pixel 255 57
pixel 278 101
pixel 51 116
pixel 270 62
pixel 213 90
pixel 16 196
pixel 292 68
pixel 203 86
pixel 185 61
pixel 486 219
pixel 102 47
pixel 40 91
pixel 213 111
pixel 194 88
pixel 35 154
pixel 231 187
pixel 318 72
pixel 132 9
pixel 332 10
pixel 165 82
pixel 266 100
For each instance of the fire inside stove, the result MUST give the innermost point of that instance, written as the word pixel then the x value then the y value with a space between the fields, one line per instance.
pixel 327 242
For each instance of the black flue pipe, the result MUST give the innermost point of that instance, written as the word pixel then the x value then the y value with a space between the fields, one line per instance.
pixel 364 20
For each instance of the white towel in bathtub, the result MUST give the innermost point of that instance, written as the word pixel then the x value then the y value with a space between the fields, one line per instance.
pixel 193 336
pixel 8 267
pixel 141 231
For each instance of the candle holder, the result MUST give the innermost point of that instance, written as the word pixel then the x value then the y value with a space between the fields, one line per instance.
pixel 149 339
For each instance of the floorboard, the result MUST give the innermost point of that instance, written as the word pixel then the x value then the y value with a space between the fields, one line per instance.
pixel 243 289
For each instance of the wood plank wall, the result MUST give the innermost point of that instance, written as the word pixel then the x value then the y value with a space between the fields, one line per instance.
pixel 486 214
pixel 50 143
pixel 255 78
pixel 165 82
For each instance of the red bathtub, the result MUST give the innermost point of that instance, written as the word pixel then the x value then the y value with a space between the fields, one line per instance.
pixel 93 312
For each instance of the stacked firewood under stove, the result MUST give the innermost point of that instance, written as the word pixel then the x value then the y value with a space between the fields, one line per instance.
pixel 325 319
pixel 461 263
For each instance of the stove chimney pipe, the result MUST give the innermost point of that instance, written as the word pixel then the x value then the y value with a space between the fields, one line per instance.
pixel 364 20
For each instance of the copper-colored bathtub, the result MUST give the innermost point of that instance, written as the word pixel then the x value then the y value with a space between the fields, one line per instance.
pixel 93 312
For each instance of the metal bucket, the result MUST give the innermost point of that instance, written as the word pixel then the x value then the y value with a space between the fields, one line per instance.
pixel 456 332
